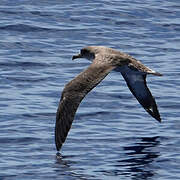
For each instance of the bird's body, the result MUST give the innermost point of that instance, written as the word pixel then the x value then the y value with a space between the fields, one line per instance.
pixel 104 60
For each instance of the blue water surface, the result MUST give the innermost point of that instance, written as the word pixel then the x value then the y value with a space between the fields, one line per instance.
pixel 112 137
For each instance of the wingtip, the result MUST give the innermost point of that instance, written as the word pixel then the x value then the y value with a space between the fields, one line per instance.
pixel 155 73
pixel 155 114
pixel 158 74
pixel 58 147
pixel 158 119
pixel 58 143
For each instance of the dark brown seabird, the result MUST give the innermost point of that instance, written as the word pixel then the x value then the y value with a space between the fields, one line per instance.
pixel 104 60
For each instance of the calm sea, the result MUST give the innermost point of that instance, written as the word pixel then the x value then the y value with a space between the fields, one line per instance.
pixel 112 137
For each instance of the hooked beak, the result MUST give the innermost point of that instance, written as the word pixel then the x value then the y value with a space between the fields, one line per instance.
pixel 77 56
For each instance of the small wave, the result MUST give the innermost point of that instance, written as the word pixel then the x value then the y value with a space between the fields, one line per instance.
pixel 24 64
pixel 24 28
pixel 15 140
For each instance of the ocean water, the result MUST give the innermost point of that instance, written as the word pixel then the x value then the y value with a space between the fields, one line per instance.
pixel 112 137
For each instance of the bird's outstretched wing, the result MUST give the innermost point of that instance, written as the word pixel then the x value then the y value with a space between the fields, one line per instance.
pixel 72 96
pixel 135 76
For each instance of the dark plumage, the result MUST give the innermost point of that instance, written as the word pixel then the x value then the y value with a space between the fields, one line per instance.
pixel 104 60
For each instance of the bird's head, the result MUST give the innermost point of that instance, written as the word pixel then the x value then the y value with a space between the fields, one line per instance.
pixel 105 55
pixel 87 52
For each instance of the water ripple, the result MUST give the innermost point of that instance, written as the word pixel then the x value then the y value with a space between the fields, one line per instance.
pixel 112 137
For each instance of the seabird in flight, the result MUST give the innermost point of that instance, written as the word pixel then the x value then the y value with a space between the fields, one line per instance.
pixel 104 60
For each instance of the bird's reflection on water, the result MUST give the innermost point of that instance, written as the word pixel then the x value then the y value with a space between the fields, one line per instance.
pixel 141 157
pixel 67 169
pixel 137 162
